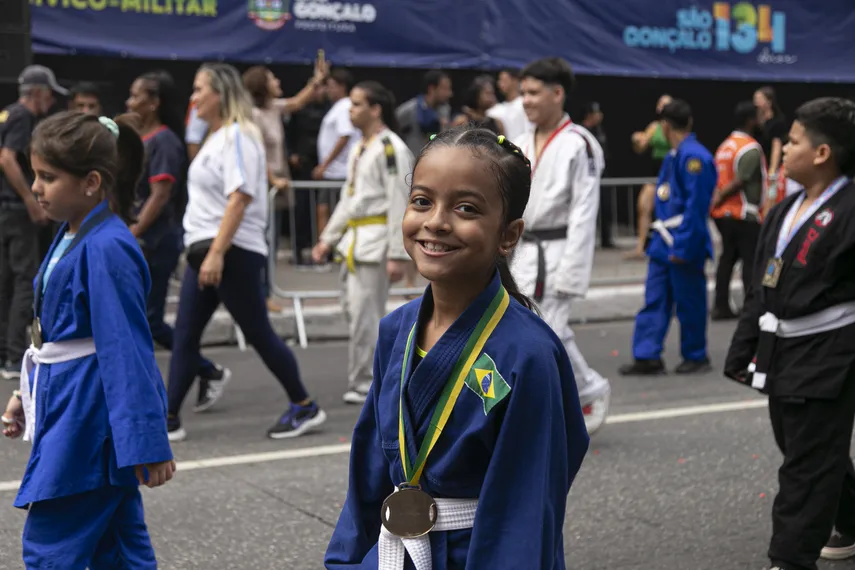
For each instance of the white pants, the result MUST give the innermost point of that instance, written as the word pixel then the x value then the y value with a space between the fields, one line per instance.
pixel 556 312
pixel 363 300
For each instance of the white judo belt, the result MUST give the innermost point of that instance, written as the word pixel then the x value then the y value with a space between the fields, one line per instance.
pixel 49 353
pixel 752 210
pixel 452 514
pixel 662 227
pixel 829 319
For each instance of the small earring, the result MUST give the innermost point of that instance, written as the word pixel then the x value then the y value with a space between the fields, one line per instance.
pixel 89 192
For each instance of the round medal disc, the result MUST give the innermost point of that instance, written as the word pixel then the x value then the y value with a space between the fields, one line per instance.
pixel 409 513
pixel 663 192
pixel 36 333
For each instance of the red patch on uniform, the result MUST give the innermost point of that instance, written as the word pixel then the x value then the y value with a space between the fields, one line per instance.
pixel 811 237
pixel 824 218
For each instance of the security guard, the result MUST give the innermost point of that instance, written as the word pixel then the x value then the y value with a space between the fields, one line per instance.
pixel 25 230
pixel 365 228
pixel 679 246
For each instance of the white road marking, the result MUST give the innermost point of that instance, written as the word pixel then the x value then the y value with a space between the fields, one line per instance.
pixel 687 411
pixel 322 450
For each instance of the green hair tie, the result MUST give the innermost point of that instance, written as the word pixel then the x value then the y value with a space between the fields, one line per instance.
pixel 501 139
pixel 111 125
pixel 432 137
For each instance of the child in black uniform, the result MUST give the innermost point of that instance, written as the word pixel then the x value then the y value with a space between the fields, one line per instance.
pixel 794 340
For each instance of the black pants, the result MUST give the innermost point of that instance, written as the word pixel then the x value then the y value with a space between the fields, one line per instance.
pixel 606 239
pixel 817 479
pixel 19 263
pixel 162 261
pixel 738 241
pixel 241 291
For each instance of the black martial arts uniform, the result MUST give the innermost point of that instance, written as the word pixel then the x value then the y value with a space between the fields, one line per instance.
pixel 794 342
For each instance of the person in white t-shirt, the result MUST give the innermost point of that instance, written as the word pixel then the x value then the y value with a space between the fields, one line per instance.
pixel 510 112
pixel 335 139
pixel 226 249
pixel 195 132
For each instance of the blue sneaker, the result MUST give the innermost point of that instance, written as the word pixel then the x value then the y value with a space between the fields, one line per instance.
pixel 297 420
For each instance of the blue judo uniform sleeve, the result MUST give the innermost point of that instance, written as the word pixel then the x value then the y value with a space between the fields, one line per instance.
pixel 675 276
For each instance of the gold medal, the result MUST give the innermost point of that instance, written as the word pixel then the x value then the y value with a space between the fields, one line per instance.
pixel 663 192
pixel 773 272
pixel 409 512
pixel 36 333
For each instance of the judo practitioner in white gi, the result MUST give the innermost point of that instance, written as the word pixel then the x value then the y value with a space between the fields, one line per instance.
pixel 553 262
pixel 365 228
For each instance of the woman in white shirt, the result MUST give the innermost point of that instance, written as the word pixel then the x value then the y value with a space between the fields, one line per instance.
pixel 226 248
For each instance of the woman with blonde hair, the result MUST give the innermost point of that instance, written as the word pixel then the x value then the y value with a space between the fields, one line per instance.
pixel 227 250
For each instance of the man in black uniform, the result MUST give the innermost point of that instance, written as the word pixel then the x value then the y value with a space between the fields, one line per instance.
pixel 794 339
pixel 21 217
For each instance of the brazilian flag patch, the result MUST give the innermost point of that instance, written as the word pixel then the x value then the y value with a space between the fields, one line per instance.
pixel 484 379
pixel 693 165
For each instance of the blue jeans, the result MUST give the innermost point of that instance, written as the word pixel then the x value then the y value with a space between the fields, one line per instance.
pixel 241 290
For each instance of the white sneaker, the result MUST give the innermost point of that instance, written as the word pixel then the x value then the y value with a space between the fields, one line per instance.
pixel 177 435
pixel 839 547
pixel 216 387
pixel 596 412
pixel 354 397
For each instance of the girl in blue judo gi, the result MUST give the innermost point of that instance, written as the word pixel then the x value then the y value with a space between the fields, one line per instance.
pixel 92 401
pixel 472 433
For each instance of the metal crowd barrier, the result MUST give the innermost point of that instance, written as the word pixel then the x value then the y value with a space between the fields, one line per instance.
pixel 611 185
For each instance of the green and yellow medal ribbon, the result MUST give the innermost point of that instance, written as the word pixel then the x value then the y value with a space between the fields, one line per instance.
pixel 456 381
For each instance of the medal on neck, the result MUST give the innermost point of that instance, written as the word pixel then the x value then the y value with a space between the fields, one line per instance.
pixel 409 512
pixel 36 333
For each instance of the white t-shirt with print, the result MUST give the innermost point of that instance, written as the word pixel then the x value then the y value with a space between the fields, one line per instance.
pixel 336 124
pixel 230 160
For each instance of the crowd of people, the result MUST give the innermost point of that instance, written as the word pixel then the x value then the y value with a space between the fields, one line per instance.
pixel 96 211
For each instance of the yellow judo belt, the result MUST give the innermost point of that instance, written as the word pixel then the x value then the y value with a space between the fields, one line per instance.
pixel 355 223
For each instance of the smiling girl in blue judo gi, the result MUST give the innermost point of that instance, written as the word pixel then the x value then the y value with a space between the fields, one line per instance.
pixel 472 433
pixel 92 401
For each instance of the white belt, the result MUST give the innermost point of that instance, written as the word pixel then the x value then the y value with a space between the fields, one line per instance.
pixel 752 209
pixel 49 353
pixel 662 226
pixel 452 514
pixel 829 319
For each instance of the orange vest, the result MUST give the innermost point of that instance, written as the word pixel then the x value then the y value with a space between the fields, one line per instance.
pixel 727 160
pixel 780 186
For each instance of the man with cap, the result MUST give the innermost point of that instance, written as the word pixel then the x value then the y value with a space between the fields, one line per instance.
pixel 22 219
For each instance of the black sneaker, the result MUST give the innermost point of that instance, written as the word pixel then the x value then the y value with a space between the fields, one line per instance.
pixel 694 367
pixel 643 368
pixel 174 429
pixel 726 314
pixel 839 547
pixel 297 420
pixel 211 388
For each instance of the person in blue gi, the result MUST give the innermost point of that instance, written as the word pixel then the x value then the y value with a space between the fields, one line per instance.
pixel 680 245
pixel 472 433
pixel 92 400
pixel 161 196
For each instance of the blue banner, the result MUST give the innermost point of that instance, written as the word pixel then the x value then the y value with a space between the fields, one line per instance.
pixel 777 40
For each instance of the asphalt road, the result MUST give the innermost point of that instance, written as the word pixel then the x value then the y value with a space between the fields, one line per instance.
pixel 682 477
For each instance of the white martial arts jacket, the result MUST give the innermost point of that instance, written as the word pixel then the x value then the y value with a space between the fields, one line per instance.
pixel 366 224
pixel 564 201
